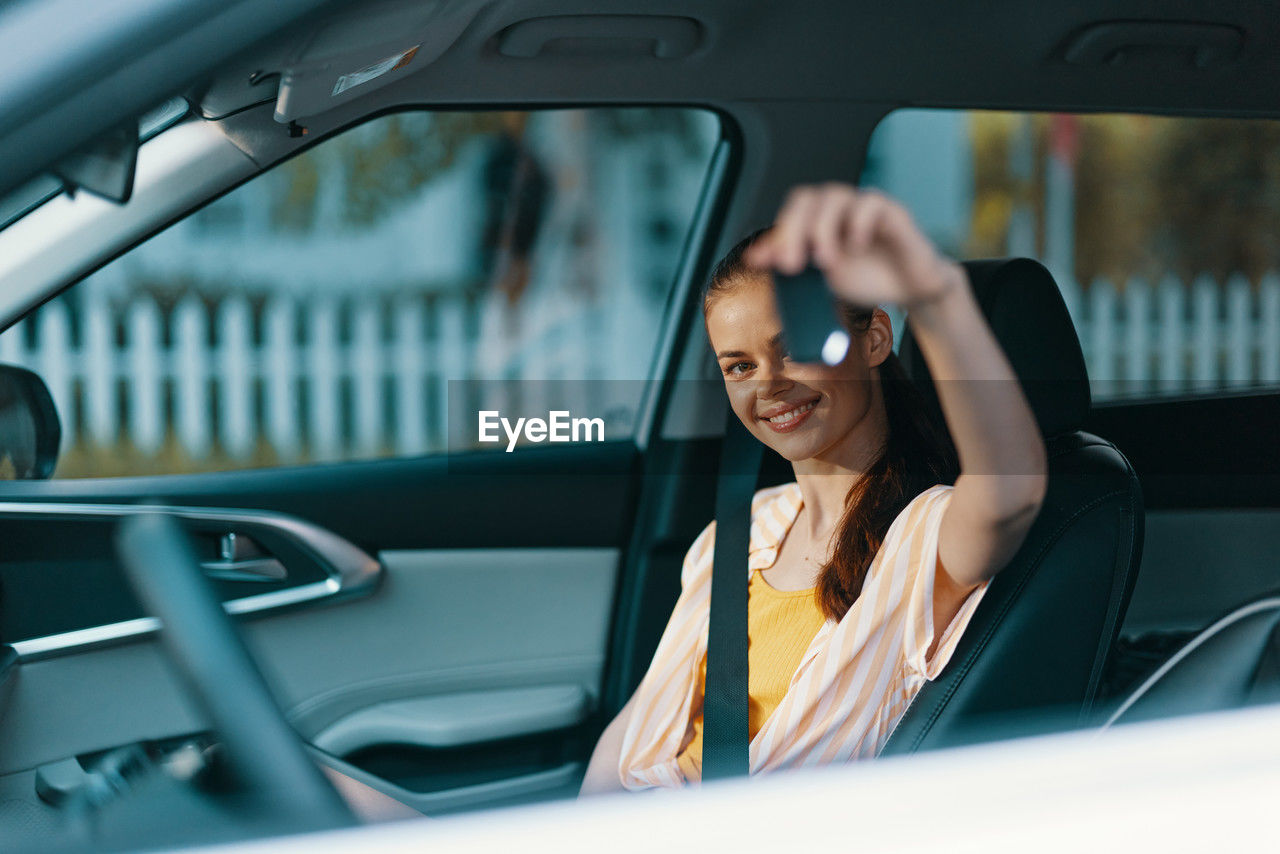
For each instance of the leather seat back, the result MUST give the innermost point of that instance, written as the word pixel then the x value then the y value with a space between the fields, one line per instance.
pixel 1033 656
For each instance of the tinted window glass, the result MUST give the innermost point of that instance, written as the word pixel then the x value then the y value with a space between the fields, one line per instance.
pixel 1163 233
pixel 335 307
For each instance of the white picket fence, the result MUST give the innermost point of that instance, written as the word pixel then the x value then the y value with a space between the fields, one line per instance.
pixel 1171 337
pixel 219 378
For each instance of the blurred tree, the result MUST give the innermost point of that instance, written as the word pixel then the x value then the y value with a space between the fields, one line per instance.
pixel 392 159
pixel 683 126
pixel 516 190
pixel 1152 194
pixel 380 164
pixel 293 200
pixel 995 191
pixel 1217 186
pixel 1116 212
pixel 388 160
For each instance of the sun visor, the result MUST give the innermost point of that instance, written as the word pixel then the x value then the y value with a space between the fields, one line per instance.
pixel 340 57
pixel 364 49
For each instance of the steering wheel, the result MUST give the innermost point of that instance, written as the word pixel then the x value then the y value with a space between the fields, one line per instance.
pixel 272 778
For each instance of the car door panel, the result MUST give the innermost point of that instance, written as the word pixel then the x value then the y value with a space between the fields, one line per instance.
pixel 1210 482
pixel 471 631
pixel 454 622
pixel 476 625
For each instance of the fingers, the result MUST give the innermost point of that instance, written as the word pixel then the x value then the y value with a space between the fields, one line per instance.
pixel 786 246
pixel 866 244
pixel 829 228
pixel 878 220
pixel 827 223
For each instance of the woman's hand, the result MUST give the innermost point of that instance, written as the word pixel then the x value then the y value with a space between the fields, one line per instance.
pixel 865 243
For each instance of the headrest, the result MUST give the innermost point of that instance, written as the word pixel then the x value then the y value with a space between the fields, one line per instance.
pixel 1025 310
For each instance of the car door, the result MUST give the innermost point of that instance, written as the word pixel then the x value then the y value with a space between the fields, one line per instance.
pixel 334 374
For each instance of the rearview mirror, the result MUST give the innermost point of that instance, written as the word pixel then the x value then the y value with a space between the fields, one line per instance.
pixel 29 428
pixel 106 166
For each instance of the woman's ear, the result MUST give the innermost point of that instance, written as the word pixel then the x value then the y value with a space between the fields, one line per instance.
pixel 879 338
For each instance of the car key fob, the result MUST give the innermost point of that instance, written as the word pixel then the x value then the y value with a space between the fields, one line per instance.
pixel 810 325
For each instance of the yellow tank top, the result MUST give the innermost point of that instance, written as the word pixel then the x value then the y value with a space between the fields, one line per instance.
pixel 780 626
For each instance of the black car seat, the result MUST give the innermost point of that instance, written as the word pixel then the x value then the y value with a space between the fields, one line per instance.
pixel 1033 657
pixel 1235 662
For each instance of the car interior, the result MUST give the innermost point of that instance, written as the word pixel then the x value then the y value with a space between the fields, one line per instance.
pixel 455 625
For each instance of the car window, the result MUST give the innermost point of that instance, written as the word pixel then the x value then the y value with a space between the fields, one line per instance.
pixel 1161 232
pixel 414 285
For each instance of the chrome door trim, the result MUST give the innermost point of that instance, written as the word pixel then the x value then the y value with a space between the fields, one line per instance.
pixel 351 571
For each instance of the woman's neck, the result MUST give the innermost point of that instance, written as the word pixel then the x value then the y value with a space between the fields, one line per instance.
pixel 825 480
pixel 823 493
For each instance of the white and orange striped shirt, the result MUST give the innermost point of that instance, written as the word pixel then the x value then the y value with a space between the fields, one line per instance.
pixel 854 682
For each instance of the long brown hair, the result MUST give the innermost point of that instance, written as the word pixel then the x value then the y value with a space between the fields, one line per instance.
pixel 917 454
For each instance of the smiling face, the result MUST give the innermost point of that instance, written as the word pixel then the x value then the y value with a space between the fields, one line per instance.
pixel 804 411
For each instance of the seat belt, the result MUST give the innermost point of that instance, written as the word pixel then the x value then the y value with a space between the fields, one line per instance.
pixel 725 734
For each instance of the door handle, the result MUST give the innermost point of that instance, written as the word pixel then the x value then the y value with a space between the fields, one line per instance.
pixel 241 559
pixel 257 569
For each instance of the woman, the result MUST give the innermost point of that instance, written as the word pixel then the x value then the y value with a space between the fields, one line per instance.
pixel 866 570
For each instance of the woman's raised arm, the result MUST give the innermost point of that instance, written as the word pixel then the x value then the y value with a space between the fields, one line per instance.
pixel 871 252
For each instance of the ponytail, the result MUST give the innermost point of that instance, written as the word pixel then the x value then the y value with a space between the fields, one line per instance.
pixel 917 455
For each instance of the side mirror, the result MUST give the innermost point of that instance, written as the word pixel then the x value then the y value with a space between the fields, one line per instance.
pixel 29 426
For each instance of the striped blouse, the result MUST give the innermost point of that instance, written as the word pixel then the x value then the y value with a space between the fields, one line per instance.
pixel 854 681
